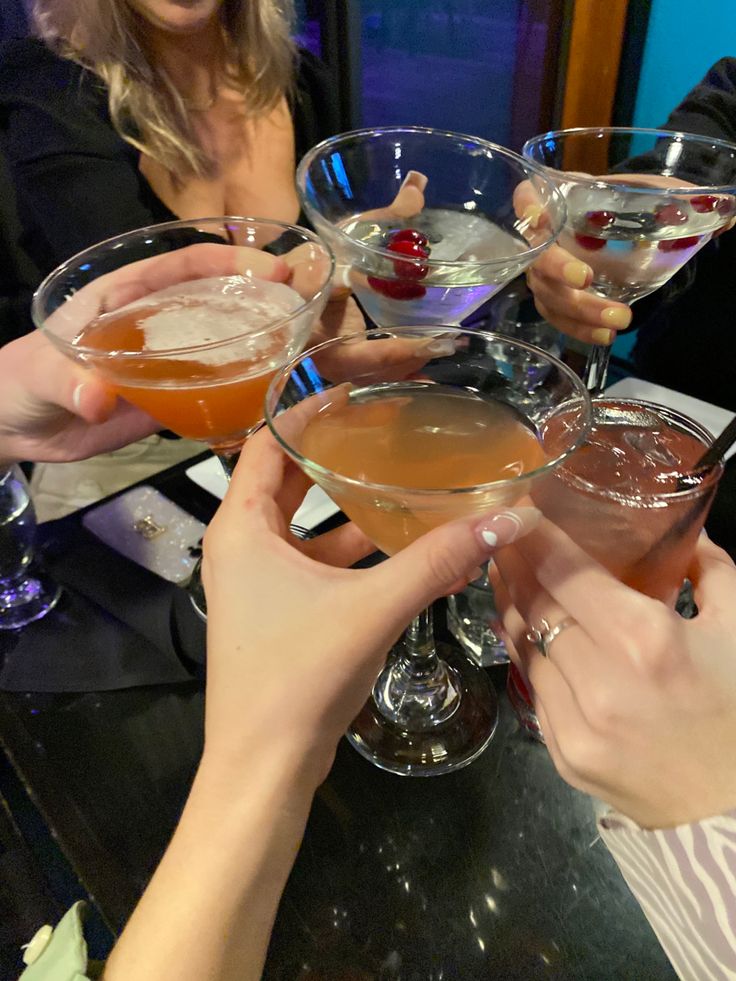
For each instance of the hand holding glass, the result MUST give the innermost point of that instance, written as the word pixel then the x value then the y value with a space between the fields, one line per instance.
pixel 407 429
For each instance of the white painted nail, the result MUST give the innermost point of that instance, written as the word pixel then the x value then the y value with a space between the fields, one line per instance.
pixel 77 396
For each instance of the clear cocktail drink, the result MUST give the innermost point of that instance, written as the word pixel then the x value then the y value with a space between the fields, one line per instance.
pixel 636 242
pixel 420 436
pixel 461 247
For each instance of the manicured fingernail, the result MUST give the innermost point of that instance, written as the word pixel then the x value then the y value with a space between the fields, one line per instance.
pixel 616 317
pixel 415 178
pixel 532 213
pixel 439 346
pixel 506 526
pixel 77 396
pixel 602 336
pixel 575 274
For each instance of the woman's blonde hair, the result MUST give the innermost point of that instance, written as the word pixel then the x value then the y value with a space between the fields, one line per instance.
pixel 108 38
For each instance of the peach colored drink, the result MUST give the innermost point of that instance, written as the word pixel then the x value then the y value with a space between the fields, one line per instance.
pixel 415 438
pixel 215 394
pixel 622 498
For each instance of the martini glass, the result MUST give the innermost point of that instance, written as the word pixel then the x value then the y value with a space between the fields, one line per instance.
pixel 423 222
pixel 407 428
pixel 190 320
pixel 186 321
pixel 661 198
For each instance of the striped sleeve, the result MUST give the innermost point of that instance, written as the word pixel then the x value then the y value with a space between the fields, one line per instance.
pixel 684 879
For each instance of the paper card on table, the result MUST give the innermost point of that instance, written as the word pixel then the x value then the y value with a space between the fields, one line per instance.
pixel 315 508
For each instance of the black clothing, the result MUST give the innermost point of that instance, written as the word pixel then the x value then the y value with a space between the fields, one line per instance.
pixel 76 181
pixel 687 336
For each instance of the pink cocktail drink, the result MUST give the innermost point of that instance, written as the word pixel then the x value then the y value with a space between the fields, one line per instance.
pixel 630 498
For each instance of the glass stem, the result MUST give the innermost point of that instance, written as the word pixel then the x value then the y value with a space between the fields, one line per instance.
pixel 417 690
pixel 419 649
pixel 229 462
pixel 596 368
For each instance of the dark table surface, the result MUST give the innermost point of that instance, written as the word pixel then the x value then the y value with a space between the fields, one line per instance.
pixel 493 871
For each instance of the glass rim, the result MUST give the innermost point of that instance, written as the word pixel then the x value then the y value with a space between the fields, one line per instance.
pixel 652 499
pixel 538 170
pixel 682 135
pixel 39 295
pixel 283 373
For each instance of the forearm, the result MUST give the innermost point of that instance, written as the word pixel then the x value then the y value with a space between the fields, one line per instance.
pixel 209 909
pixel 682 878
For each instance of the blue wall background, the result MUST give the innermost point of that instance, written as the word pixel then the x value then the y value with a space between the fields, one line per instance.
pixel 684 39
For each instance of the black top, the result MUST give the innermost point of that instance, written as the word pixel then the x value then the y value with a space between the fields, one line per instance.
pixel 688 335
pixel 76 182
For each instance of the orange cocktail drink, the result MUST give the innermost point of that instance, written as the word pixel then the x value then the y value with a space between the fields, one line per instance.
pixel 189 320
pixel 421 436
pixel 408 428
pixel 213 395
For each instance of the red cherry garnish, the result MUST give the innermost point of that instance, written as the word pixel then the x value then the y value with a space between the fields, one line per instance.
pixel 675 244
pixel 703 203
pixel 397 289
pixel 670 214
pixel 600 219
pixel 409 270
pixel 410 235
pixel 590 243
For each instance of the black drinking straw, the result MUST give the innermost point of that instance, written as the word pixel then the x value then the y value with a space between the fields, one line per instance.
pixel 717 450
pixel 710 459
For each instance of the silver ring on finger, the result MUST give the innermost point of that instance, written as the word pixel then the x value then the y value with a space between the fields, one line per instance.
pixel 544 636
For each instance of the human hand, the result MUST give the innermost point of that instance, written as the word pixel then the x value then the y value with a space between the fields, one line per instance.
pixel 637 705
pixel 54 410
pixel 296 639
pixel 560 281
pixel 342 316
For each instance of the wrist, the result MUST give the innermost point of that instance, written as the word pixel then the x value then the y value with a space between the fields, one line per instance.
pixel 278 770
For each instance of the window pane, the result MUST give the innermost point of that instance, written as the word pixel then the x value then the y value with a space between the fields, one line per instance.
pixel 459 64
pixel 307 33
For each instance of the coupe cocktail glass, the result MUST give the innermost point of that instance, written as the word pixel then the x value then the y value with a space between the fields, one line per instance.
pixel 423 222
pixel 662 195
pixel 181 320
pixel 632 499
pixel 408 428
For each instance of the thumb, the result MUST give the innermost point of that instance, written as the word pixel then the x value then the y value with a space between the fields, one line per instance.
pixel 427 568
pixel 59 381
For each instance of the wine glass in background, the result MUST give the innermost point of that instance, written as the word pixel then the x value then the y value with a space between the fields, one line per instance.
pixel 423 222
pixel 407 428
pixel 26 594
pixel 662 195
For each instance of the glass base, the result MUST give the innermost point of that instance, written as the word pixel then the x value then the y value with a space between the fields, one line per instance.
pixel 446 746
pixel 469 618
pixel 522 705
pixel 26 601
pixel 196 591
